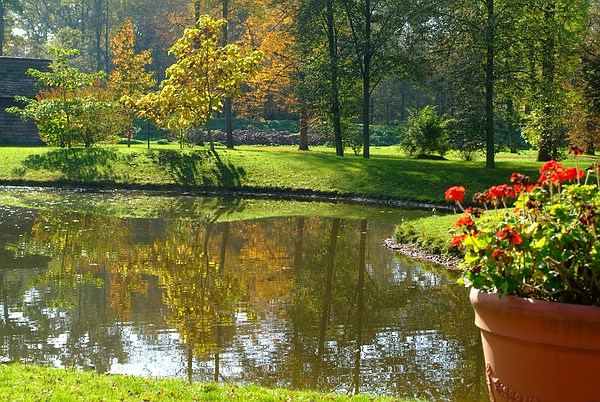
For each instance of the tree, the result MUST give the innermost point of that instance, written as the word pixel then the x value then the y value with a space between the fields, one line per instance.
pixel 204 74
pixel 317 27
pixel 271 28
pixel 556 30
pixel 380 34
pixel 584 105
pixel 69 110
pixel 477 42
pixel 129 77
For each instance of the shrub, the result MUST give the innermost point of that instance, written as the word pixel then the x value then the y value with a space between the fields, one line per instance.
pixel 426 134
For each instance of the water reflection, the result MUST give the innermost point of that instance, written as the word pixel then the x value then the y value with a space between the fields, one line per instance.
pixel 303 302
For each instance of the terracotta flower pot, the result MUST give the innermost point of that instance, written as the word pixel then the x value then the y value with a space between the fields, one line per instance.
pixel 537 350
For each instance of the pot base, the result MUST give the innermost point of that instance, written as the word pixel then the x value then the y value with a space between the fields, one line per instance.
pixel 539 351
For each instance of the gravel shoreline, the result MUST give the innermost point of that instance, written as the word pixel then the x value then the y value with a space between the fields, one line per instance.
pixel 449 262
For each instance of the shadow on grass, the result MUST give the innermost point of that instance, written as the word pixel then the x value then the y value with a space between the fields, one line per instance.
pixel 77 164
pixel 199 168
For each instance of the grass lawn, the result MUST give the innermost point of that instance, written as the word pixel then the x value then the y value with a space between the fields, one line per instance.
pixel 387 175
pixel 33 383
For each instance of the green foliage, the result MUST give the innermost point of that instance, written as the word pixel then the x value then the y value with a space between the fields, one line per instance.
pixel 129 77
pixel 405 234
pixel 69 111
pixel 467 130
pixel 544 126
pixel 352 135
pixel 546 248
pixel 427 133
pixel 382 135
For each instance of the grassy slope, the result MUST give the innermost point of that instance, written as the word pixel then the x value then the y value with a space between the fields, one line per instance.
pixel 387 175
pixel 33 383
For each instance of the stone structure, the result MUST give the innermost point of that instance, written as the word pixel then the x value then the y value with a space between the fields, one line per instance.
pixel 14 81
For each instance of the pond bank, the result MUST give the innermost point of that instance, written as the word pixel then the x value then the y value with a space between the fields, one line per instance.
pixel 449 262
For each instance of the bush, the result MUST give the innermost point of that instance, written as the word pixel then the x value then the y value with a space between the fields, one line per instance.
pixel 426 134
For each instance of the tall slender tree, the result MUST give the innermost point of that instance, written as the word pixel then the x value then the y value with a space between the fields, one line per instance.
pixel 129 77
pixel 555 29
pixel 380 31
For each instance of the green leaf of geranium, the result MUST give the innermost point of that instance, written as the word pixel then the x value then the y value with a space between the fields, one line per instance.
pixel 471 257
pixel 476 242
pixel 539 243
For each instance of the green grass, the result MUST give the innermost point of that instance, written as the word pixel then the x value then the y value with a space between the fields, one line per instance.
pixel 430 233
pixel 33 383
pixel 387 175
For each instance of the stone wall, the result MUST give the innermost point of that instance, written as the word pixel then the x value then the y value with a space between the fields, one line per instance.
pixel 15 82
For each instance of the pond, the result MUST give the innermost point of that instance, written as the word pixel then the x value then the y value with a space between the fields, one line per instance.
pixel 276 293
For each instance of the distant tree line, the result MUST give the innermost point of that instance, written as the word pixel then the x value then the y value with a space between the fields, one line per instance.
pixel 494 71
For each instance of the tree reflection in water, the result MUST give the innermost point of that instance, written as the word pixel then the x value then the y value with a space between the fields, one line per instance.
pixel 303 302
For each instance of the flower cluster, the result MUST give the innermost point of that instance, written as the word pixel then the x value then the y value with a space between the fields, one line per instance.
pixel 545 247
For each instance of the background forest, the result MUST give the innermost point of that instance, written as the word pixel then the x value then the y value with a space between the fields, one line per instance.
pixel 486 74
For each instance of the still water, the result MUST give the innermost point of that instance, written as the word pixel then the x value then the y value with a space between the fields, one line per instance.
pixel 277 293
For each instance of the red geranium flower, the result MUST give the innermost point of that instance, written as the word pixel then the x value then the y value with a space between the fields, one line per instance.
pixel 496 192
pixel 571 174
pixel 511 234
pixel 496 254
pixel 501 191
pixel 456 193
pixel 550 166
pixel 464 221
pixel 457 240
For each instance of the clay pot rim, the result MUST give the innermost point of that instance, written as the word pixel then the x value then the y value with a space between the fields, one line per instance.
pixel 538 321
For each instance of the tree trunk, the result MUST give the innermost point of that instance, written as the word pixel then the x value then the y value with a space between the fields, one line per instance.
pixel 547 147
pixel 489 87
pixel 512 132
pixel 333 71
pixel 228 103
pixel 227 108
pixel 2 12
pixel 107 38
pixel 98 33
pixel 303 132
pixel 210 137
pixel 367 80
